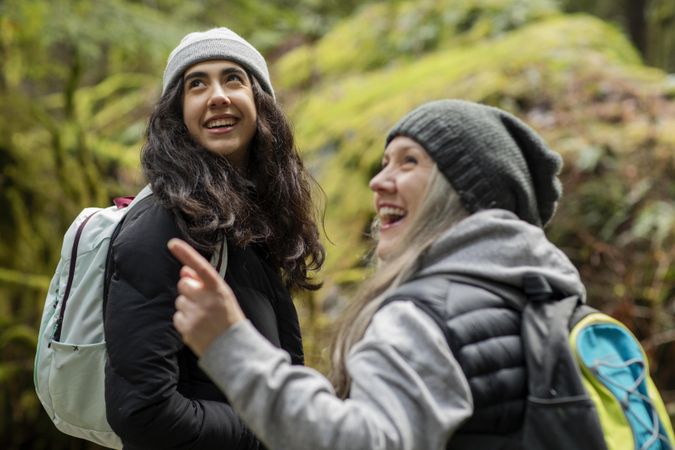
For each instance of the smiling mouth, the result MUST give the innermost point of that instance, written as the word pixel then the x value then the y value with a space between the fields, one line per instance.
pixel 390 215
pixel 221 123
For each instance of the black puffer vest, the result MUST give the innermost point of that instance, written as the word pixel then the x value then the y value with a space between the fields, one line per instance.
pixel 483 332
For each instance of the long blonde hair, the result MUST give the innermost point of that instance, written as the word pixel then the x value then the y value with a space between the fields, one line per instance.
pixel 441 208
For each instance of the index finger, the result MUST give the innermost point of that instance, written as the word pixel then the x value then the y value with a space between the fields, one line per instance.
pixel 192 259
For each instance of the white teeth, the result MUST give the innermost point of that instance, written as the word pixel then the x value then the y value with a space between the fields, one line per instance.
pixel 389 211
pixel 221 123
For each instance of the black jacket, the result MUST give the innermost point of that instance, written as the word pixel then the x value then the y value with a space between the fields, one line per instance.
pixel 156 395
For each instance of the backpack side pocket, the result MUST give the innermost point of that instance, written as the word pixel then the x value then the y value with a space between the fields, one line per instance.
pixel 77 395
pixel 615 373
pixel 554 424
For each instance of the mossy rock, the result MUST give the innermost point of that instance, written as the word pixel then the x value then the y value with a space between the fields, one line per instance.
pixel 384 32
pixel 341 124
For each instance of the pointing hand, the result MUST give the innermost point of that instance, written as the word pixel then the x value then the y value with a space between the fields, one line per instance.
pixel 206 306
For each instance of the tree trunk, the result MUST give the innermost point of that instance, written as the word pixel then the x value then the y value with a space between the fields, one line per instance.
pixel 636 23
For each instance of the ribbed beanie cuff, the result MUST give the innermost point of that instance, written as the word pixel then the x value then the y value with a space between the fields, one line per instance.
pixel 491 158
pixel 217 43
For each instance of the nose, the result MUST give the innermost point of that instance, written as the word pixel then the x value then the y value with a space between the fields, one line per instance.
pixel 382 182
pixel 218 96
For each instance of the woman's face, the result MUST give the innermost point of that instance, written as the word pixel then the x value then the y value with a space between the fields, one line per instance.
pixel 219 110
pixel 399 189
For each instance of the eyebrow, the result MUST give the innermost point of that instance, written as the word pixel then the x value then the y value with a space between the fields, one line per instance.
pixel 226 71
pixel 403 149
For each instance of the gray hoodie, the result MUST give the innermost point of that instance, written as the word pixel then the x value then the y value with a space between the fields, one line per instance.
pixel 408 391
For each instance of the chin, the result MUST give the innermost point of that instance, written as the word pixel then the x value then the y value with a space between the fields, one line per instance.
pixel 382 252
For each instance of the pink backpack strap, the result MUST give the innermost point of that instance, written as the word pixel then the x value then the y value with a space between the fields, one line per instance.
pixel 122 202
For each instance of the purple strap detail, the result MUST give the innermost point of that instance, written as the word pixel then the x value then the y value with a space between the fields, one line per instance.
pixel 122 202
pixel 71 274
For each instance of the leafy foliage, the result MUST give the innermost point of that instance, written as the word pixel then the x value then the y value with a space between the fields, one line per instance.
pixel 75 93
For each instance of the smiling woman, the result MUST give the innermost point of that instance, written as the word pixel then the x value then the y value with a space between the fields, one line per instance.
pixel 219 109
pixel 398 190
pixel 224 173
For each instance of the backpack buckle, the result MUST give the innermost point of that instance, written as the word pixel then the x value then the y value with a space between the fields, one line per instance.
pixel 537 287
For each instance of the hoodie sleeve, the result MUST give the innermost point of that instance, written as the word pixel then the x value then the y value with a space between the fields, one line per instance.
pixel 143 403
pixel 408 391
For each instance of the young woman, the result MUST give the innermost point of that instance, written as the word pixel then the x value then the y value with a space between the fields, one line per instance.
pixel 464 191
pixel 222 166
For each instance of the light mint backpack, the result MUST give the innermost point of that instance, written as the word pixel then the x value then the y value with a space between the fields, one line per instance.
pixel 70 359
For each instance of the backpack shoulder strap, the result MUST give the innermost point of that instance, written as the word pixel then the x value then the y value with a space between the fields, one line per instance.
pixel 430 287
pixel 145 192
pixel 142 195
pixel 514 297
pixel 557 401
pixel 218 260
pixel 424 293
pixel 545 326
pixel 429 295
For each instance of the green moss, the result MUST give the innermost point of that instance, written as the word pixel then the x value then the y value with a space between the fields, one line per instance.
pixel 384 32
pixel 483 71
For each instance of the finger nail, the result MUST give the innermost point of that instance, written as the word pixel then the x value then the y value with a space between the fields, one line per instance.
pixel 193 283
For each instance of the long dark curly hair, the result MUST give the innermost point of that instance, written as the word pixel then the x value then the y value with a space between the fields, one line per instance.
pixel 270 205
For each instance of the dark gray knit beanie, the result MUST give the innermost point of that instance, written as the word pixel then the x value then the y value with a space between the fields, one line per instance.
pixel 491 158
pixel 216 43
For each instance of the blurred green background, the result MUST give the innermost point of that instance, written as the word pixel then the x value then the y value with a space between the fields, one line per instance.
pixel 79 78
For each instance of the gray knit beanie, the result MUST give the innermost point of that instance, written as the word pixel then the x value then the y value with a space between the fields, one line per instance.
pixel 217 43
pixel 491 158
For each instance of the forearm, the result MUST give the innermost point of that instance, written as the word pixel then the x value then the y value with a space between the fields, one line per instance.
pixel 408 391
pixel 288 407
